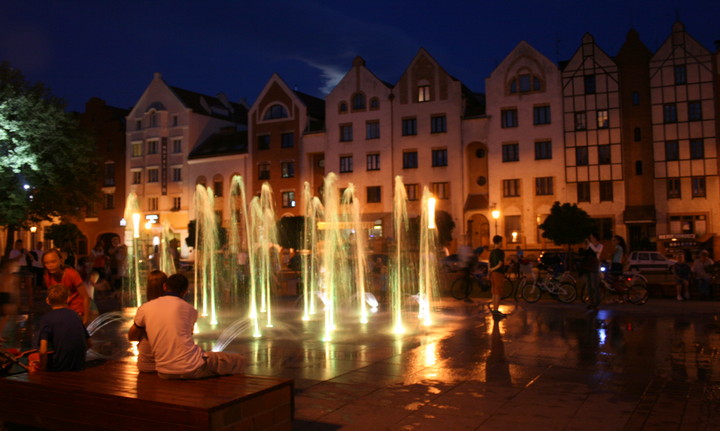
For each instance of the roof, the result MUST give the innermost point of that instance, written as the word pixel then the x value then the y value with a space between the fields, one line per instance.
pixel 315 110
pixel 212 106
pixel 474 103
pixel 223 143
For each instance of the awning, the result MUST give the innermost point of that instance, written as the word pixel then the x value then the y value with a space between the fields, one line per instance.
pixel 476 202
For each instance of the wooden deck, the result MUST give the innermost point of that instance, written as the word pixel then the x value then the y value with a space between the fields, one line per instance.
pixel 115 396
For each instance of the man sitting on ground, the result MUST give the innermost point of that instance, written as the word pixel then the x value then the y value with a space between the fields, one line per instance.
pixel 167 323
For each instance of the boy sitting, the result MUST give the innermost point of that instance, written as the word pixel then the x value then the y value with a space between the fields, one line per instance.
pixel 63 339
pixel 167 322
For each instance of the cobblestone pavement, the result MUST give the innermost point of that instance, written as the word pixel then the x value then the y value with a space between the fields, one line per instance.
pixel 547 366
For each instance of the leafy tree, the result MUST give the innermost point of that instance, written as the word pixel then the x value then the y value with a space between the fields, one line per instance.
pixel 443 222
pixel 47 164
pixel 290 231
pixel 60 233
pixel 567 224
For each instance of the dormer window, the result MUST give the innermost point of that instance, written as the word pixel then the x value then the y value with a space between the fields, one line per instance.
pixel 358 101
pixel 525 82
pixel 423 93
pixel 275 111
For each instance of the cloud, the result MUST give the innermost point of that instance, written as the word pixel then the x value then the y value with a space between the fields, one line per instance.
pixel 330 74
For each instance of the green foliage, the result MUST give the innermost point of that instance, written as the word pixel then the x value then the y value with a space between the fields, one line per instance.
pixel 567 224
pixel 444 223
pixel 222 235
pixel 47 164
pixel 290 231
pixel 59 233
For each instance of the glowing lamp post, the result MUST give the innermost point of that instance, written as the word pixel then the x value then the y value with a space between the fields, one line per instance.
pixel 496 216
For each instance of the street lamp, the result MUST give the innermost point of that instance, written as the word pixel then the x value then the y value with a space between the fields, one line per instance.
pixel 496 216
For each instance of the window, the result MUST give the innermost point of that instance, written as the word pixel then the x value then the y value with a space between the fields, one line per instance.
pixel 524 81
pixel 108 201
pixel 544 186
pixel 508 118
pixel 604 226
pixel 438 124
pixel 423 93
pixel 680 75
pixel 635 98
pixel 637 134
pixel 346 133
pixel 541 115
pixel 176 174
pixel 672 150
pixel 137 149
pixel 583 191
pixel 276 111
pixel 152 204
pixel 287 169
pixel 177 203
pixel 603 120
pixel 694 111
pixel 177 146
pixel 374 103
pixel 606 191
pixel 263 142
pixel 698 187
pixel 580 121
pixel 343 107
pixel 374 194
pixel 670 113
pixel 513 227
pixel 153 120
pixel 673 188
pixel 410 160
pixel 138 124
pixel 589 81
pixel 697 149
pixel 372 130
pixel 346 164
pixel 439 157
pixel 581 156
pixel 288 199
pixel 174 120
pixel 373 162
pixel 287 140
pixel 152 147
pixel 604 155
pixel 409 126
pixel 109 175
pixel 411 190
pixel 218 188
pixel 264 171
pixel 510 152
pixel 137 177
pixel 153 175
pixel 543 150
pixel 358 101
pixel 441 190
pixel 511 188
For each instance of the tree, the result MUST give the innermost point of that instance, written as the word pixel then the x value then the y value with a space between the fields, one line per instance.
pixel 47 164
pixel 443 222
pixel 567 224
pixel 60 233
pixel 290 231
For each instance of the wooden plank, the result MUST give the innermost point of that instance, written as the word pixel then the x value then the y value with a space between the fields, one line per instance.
pixel 116 396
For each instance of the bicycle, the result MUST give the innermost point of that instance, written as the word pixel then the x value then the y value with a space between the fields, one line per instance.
pixel 629 287
pixel 512 284
pixel 462 288
pixel 544 281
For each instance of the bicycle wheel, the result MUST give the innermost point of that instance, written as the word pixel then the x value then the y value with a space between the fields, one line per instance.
pixel 565 292
pixel 508 288
pixel 531 292
pixel 637 292
pixel 460 289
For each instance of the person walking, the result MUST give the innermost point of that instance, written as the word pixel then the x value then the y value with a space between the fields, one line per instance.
pixel 590 268
pixel 497 275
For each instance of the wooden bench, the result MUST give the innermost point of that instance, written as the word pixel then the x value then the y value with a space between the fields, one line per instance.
pixel 115 396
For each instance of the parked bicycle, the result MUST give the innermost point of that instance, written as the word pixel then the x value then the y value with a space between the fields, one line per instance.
pixel 463 287
pixel 544 281
pixel 628 287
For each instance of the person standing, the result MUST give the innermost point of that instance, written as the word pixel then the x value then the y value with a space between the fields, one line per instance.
pixel 118 263
pixel 590 267
pixel 36 265
pixel 681 270
pixel 496 269
pixel 99 259
pixel 700 272
pixel 57 273
pixel 18 252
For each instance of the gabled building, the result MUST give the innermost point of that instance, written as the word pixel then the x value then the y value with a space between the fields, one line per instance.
pixel 526 156
pixel 279 120
pixel 165 125
pixel 684 100
pixel 593 136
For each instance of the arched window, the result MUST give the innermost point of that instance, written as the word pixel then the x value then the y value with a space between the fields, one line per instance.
pixel 275 111
pixel 525 82
pixel 218 186
pixel 358 101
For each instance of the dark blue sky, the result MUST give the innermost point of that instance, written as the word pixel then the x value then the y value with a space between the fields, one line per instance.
pixel 110 49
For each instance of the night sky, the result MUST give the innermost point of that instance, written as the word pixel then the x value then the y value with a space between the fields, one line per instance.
pixel 110 49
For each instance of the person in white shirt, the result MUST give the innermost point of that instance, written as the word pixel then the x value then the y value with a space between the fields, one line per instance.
pixel 167 322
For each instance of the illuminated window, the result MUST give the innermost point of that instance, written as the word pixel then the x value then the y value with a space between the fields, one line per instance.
pixel 603 120
pixel 288 199
pixel 288 169
pixel 423 93
pixel 137 149
pixel 441 190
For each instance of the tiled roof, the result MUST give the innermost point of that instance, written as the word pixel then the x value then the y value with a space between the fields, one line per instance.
pixel 222 143
pixel 212 106
pixel 316 111
pixel 474 103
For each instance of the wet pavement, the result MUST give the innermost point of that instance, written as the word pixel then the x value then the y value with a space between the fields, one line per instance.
pixel 547 366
